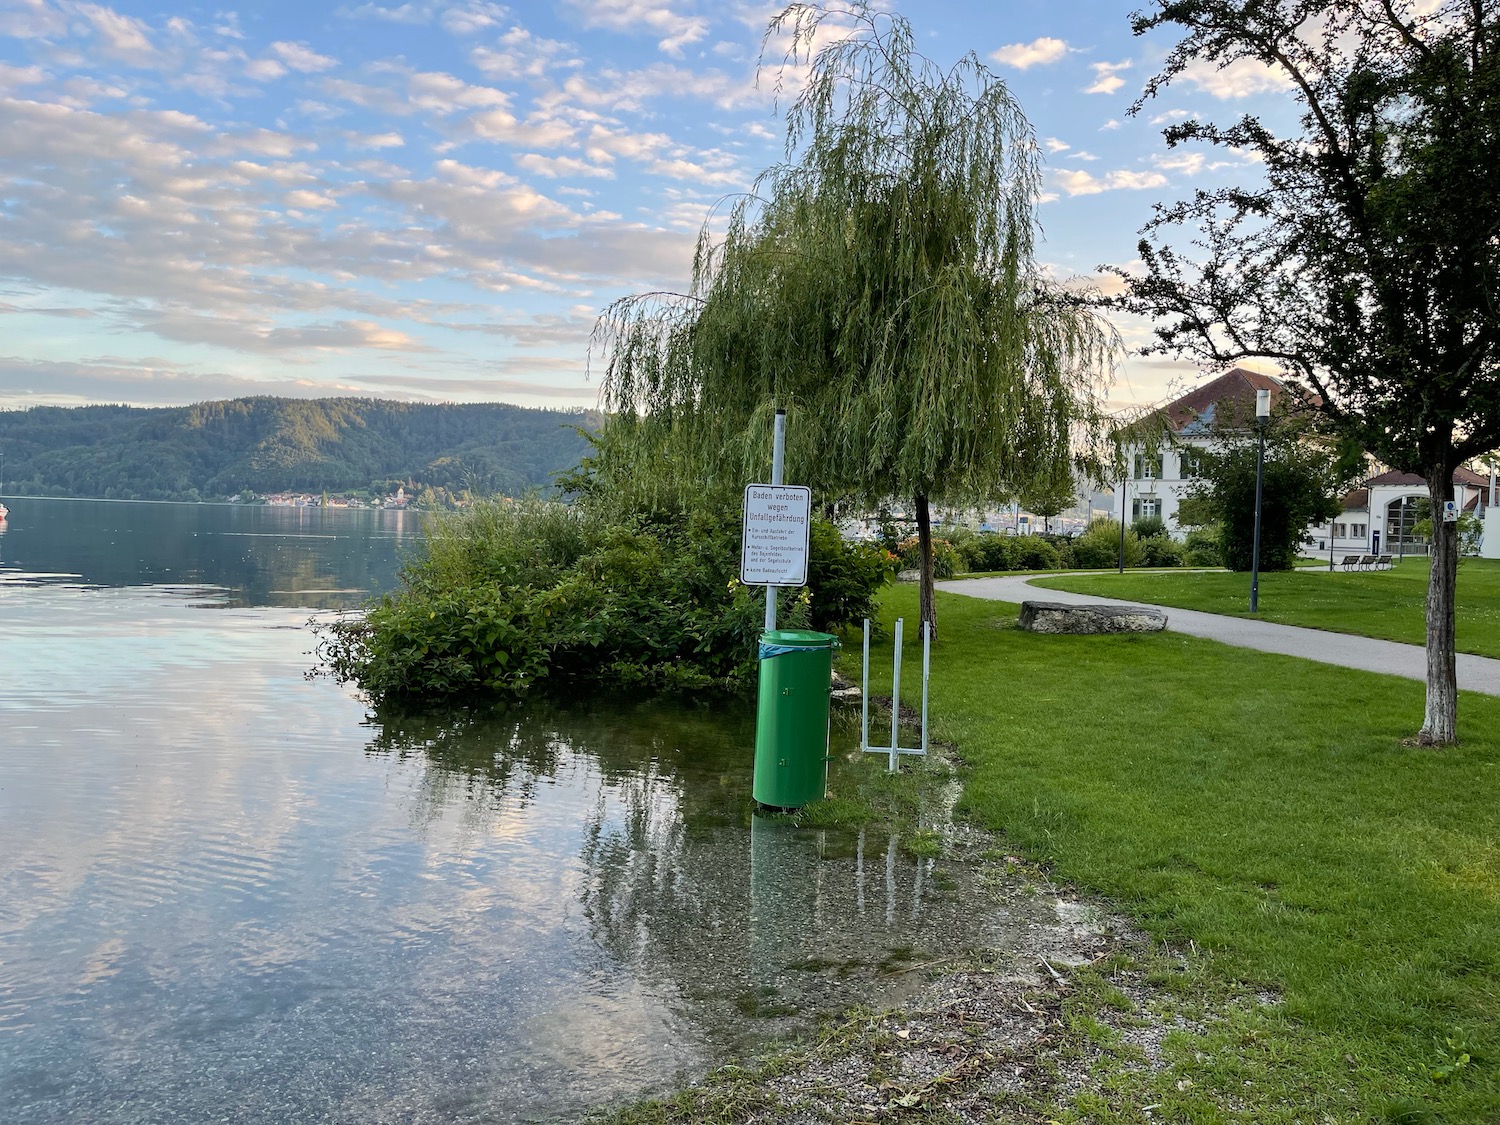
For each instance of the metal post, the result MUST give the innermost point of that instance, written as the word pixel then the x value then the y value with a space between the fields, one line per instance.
pixel 1123 498
pixel 778 456
pixel 1260 468
pixel 926 671
pixel 896 697
pixel 864 700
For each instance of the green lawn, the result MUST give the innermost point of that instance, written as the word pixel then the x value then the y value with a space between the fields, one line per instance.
pixel 1265 813
pixel 1386 603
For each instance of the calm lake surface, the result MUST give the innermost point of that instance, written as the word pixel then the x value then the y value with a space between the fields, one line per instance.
pixel 229 892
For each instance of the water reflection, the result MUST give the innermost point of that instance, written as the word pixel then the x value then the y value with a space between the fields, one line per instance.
pixel 227 892
pixel 321 558
pixel 744 923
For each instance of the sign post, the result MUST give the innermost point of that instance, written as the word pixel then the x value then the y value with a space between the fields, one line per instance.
pixel 796 666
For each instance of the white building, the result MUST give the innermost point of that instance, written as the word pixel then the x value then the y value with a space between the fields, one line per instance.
pixel 1377 517
pixel 1156 485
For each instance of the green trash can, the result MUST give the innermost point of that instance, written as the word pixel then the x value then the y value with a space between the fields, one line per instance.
pixel 791 722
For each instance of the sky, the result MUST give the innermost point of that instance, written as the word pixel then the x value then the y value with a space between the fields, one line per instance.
pixel 433 200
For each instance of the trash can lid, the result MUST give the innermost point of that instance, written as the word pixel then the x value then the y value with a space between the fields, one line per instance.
pixel 798 638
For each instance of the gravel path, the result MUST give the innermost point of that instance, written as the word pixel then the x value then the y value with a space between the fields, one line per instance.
pixel 1475 673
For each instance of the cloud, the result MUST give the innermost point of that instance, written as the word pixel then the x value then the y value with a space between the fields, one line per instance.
pixel 374 140
pixel 554 167
pixel 1106 77
pixel 14 77
pixel 650 16
pixel 264 70
pixel 1039 52
pixel 299 56
pixel 25 381
pixel 472 18
pixel 419 384
pixel 32 19
pixel 1242 78
pixel 1078 182
pixel 124 37
pixel 1052 144
pixel 520 54
pixel 399 13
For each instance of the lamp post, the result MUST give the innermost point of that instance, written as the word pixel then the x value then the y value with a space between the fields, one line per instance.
pixel 1262 416
pixel 1124 494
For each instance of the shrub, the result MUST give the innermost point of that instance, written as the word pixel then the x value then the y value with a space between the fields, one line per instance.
pixel 1202 547
pixel 1160 550
pixel 509 596
pixel 1031 552
pixel 843 578
pixel 946 560
pixel 1099 546
pixel 1149 527
pixel 988 551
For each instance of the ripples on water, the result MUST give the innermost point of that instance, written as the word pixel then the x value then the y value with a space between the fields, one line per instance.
pixel 229 893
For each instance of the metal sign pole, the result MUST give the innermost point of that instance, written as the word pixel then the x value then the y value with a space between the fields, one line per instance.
pixel 778 457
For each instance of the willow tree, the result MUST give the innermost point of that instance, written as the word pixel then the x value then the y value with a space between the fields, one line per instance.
pixel 879 285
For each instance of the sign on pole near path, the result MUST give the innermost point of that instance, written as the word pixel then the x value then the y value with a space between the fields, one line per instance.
pixel 778 519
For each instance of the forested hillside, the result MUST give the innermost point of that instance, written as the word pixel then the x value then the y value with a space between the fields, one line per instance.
pixel 215 450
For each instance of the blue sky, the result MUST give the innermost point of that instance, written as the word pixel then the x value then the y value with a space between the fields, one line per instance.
pixel 432 200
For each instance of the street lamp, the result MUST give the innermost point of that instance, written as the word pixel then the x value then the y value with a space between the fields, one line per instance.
pixel 1262 416
pixel 1124 495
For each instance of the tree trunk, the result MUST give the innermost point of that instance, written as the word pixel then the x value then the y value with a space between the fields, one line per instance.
pixel 1440 727
pixel 924 546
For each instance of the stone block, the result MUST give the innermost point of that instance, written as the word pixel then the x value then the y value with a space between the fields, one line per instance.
pixel 1059 617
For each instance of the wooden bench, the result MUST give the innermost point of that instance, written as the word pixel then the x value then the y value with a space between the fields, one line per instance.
pixel 1383 563
pixel 1350 562
pixel 1366 561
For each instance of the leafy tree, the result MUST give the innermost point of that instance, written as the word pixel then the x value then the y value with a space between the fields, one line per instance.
pixel 1050 496
pixel 879 285
pixel 1302 487
pixel 1365 260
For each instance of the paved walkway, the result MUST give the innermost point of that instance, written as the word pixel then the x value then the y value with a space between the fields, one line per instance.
pixel 1475 673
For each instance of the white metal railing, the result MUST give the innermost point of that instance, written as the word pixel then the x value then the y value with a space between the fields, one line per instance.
pixel 895 749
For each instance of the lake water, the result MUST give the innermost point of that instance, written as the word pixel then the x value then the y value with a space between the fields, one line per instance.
pixel 229 892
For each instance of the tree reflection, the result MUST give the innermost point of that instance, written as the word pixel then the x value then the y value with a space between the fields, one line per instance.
pixel 738 918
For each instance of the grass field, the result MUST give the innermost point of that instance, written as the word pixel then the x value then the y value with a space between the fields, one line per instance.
pixel 1387 604
pixel 1265 810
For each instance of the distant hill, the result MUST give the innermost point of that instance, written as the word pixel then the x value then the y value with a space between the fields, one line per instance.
pixel 215 450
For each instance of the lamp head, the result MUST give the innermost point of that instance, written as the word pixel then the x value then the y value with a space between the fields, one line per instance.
pixel 1262 405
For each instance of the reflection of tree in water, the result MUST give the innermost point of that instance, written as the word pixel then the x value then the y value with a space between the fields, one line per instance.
pixel 738 919
pixel 653 762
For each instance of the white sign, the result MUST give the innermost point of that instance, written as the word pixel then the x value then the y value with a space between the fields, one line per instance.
pixel 778 519
pixel 1450 511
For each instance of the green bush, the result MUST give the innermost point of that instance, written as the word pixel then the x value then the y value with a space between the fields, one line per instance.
pixel 1099 546
pixel 946 559
pixel 1202 547
pixel 843 578
pixel 1032 552
pixel 509 596
pixel 1064 548
pixel 1149 527
pixel 988 551
pixel 1161 550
